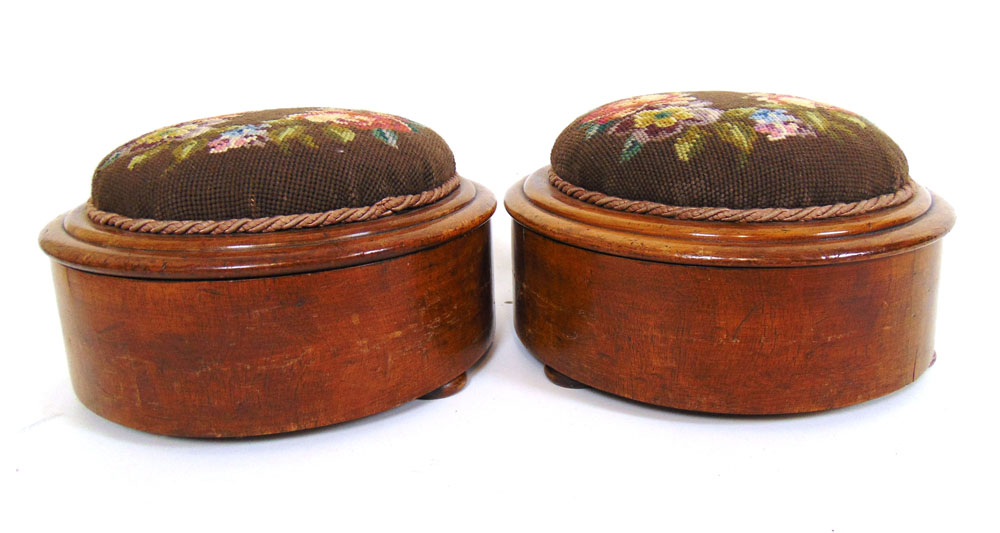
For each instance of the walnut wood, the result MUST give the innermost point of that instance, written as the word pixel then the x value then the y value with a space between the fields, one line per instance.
pixel 816 315
pixel 562 380
pixel 264 353
pixel 451 388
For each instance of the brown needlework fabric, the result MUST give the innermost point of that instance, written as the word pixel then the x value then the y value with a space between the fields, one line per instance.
pixel 731 150
pixel 277 163
pixel 725 214
pixel 383 207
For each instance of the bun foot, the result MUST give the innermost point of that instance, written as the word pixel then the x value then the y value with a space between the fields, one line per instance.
pixel 448 389
pixel 561 380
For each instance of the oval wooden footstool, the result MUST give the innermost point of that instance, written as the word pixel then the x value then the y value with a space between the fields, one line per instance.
pixel 273 271
pixel 729 253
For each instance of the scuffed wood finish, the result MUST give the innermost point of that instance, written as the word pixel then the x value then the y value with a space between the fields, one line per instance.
pixel 823 315
pixel 240 356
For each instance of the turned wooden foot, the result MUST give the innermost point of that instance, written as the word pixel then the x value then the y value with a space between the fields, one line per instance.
pixel 562 380
pixel 448 389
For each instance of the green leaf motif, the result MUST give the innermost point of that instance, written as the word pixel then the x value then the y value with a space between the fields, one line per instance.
pixel 339 132
pixel 836 127
pixel 594 128
pixel 739 112
pixel 184 150
pixel 858 121
pixel 817 121
pixel 832 127
pixel 136 160
pixel 307 140
pixel 689 144
pixel 387 136
pixel 285 133
pixel 139 158
pixel 632 147
pixel 110 159
pixel 739 135
pixel 292 133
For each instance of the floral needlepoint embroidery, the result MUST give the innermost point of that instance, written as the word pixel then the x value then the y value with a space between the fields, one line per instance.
pixel 218 135
pixel 621 108
pixel 382 126
pixel 644 119
pixel 789 100
pixel 778 124
pixel 690 122
pixel 809 112
pixel 177 132
pixel 238 136
pixel 156 139
pixel 656 124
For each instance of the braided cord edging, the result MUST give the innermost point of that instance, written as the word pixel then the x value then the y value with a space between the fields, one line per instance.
pixel 724 214
pixel 383 207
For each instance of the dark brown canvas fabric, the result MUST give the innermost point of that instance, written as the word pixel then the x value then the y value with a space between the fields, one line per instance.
pixel 727 149
pixel 270 163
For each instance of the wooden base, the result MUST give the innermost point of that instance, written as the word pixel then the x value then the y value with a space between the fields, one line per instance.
pixel 451 388
pixel 726 317
pixel 223 355
pixel 562 380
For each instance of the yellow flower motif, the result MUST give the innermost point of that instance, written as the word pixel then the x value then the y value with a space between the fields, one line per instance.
pixel 184 130
pixel 622 108
pixel 363 120
pixel 172 132
pixel 338 117
pixel 661 118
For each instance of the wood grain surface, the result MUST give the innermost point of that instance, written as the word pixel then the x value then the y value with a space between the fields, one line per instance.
pixel 274 353
pixel 664 317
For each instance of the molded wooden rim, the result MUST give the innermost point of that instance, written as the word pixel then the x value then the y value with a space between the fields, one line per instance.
pixel 534 203
pixel 77 242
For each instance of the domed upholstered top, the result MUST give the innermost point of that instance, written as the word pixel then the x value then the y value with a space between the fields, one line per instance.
pixel 272 163
pixel 729 150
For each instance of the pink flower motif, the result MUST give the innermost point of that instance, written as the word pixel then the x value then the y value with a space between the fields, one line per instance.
pixel 622 108
pixel 776 131
pixel 778 124
pixel 238 137
pixel 362 120
pixel 652 117
pixel 661 123
pixel 182 131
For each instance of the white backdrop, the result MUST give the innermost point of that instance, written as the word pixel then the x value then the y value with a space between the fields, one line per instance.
pixel 499 81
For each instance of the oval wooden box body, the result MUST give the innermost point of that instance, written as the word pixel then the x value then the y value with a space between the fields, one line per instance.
pixel 239 335
pixel 723 317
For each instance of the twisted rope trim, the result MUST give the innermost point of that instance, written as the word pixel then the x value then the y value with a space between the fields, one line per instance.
pixel 382 208
pixel 725 214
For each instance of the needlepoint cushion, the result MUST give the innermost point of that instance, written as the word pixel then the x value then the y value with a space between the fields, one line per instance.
pixel 271 163
pixel 729 150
